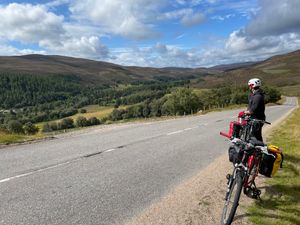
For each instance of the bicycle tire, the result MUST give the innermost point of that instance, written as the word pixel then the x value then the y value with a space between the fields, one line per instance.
pixel 234 196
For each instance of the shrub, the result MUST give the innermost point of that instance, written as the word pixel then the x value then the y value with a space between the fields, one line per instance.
pixel 81 121
pixel 53 126
pixel 30 128
pixel 46 128
pixel 66 124
pixel 93 121
pixel 83 111
pixel 14 126
pixel 116 115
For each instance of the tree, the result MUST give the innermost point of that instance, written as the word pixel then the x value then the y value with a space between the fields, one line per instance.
pixel 81 121
pixel 46 128
pixel 66 123
pixel 53 126
pixel 15 126
pixel 181 101
pixel 83 111
pixel 30 128
pixel 93 121
pixel 116 115
pixel 271 94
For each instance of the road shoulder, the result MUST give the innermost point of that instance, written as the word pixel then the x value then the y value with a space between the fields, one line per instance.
pixel 199 200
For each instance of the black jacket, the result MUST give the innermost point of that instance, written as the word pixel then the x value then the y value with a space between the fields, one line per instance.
pixel 256 105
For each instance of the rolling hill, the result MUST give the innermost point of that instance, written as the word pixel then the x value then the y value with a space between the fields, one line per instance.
pixel 89 71
pixel 281 70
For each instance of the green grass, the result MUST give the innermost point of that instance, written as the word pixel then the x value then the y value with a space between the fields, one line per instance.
pixel 281 202
pixel 220 109
pixel 92 111
pixel 291 90
pixel 7 138
pixel 276 71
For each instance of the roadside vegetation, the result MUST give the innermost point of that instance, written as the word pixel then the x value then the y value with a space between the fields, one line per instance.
pixel 32 104
pixel 291 90
pixel 281 202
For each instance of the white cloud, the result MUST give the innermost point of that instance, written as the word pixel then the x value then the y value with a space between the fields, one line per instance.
pixel 274 29
pixel 159 55
pixel 7 50
pixel 28 23
pixel 87 47
pixel 192 19
pixel 129 18
pixel 222 18
pixel 187 16
pixel 275 18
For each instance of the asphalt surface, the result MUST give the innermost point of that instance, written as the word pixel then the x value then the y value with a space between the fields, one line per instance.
pixel 107 176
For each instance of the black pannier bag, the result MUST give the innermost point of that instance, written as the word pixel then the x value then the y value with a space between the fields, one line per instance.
pixel 235 154
pixel 267 164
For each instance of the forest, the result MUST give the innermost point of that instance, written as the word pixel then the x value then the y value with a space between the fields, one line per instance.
pixel 29 99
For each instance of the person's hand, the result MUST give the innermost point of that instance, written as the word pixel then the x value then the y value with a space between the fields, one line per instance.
pixel 247 112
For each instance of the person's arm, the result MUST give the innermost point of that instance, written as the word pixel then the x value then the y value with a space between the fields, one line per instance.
pixel 255 104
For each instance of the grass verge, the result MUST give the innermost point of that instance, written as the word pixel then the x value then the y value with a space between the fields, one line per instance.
pixel 281 202
pixel 7 138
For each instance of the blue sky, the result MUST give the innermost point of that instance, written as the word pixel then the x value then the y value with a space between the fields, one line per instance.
pixel 157 33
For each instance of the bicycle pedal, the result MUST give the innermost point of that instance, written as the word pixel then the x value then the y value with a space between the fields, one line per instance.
pixel 228 176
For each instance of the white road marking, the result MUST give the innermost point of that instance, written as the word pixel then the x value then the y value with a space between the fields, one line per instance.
pixel 35 171
pixel 203 124
pixel 109 150
pixel 190 128
pixel 175 132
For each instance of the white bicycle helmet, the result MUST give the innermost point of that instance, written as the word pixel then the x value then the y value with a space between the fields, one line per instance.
pixel 254 82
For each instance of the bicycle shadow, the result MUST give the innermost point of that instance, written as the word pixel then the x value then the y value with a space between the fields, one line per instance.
pixel 278 201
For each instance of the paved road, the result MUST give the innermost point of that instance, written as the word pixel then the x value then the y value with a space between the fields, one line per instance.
pixel 106 176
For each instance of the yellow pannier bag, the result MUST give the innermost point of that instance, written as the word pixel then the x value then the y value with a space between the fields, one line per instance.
pixel 271 161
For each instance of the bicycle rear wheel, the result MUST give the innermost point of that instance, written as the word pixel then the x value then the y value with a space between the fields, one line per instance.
pixel 232 199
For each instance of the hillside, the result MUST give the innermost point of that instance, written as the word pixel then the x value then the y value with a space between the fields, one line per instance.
pixel 89 71
pixel 280 70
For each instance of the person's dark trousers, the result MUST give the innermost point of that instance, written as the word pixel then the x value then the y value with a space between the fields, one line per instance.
pixel 257 131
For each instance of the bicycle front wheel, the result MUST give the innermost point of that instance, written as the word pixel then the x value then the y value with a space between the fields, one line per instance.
pixel 232 199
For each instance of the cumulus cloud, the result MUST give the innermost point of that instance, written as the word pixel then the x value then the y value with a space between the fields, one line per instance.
pixel 29 23
pixel 193 19
pixel 188 17
pixel 275 18
pixel 7 50
pixel 87 47
pixel 26 23
pixel 128 18
pixel 275 29
pixel 158 55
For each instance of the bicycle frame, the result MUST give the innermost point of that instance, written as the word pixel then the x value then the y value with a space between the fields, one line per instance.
pixel 253 162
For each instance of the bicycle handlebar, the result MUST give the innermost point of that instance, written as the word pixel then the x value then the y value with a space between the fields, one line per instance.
pixel 248 118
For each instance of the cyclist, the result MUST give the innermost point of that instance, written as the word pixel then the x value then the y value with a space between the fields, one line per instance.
pixel 256 106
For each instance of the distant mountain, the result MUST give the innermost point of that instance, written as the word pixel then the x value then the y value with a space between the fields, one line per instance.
pixel 280 70
pixel 90 71
pixel 227 67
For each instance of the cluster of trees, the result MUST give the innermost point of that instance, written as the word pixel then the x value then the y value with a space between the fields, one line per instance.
pixel 28 99
pixel 183 101
pixel 14 126
pixel 69 123
pixel 33 98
